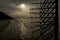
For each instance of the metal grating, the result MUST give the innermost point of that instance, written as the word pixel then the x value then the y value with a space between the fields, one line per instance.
pixel 46 14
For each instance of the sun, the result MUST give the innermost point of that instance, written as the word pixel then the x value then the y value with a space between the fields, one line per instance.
pixel 22 5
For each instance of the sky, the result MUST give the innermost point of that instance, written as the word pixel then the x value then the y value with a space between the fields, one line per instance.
pixel 10 7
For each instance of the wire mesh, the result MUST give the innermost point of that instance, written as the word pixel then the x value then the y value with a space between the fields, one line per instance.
pixel 46 15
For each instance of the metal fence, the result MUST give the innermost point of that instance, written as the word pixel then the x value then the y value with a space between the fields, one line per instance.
pixel 47 14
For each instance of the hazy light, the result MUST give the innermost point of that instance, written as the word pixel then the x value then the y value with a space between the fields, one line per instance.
pixel 22 5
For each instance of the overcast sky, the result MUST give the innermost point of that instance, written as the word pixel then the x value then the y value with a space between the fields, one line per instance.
pixel 10 7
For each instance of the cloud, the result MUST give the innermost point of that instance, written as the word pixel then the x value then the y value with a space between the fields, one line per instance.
pixel 7 5
pixel 10 6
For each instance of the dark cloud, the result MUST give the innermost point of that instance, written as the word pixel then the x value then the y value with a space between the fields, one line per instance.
pixel 9 6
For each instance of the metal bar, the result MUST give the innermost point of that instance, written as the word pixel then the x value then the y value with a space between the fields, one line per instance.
pixel 56 20
pixel 41 3
pixel 42 8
